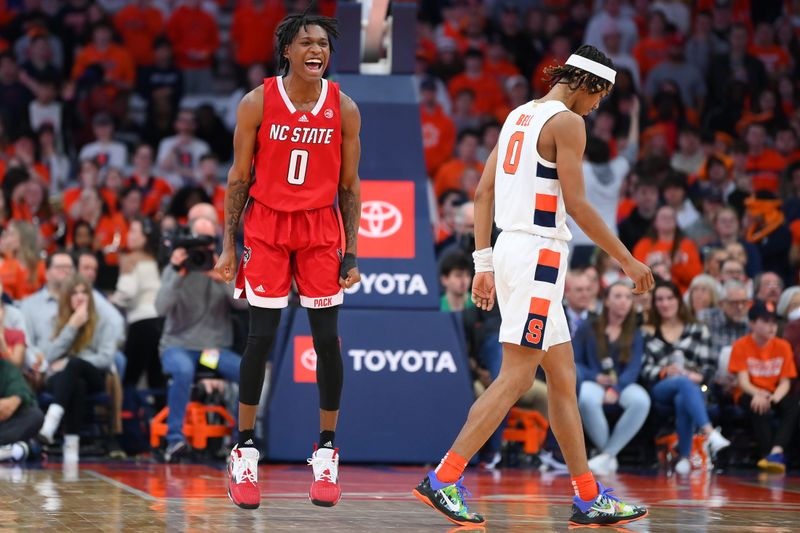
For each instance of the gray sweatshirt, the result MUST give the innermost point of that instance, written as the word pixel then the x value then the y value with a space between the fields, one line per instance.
pixel 99 352
pixel 197 310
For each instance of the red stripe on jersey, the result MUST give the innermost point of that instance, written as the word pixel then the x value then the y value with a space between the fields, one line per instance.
pixel 546 202
pixel 549 258
pixel 539 306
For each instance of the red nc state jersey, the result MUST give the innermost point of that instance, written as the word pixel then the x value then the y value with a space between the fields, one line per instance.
pixel 298 153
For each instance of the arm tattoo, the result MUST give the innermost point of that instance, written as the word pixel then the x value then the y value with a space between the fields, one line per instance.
pixel 350 206
pixel 235 200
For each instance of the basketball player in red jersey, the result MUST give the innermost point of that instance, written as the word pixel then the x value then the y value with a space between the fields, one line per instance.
pixel 300 132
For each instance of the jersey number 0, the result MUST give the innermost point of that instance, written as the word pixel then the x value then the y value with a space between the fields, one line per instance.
pixel 513 152
pixel 298 164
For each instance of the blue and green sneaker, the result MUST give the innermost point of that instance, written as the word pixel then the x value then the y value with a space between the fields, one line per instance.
pixel 605 510
pixel 448 499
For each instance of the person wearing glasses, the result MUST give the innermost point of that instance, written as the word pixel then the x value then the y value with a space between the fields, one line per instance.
pixel 728 322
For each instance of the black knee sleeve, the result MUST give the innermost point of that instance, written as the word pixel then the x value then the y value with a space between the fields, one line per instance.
pixel 330 373
pixel 263 327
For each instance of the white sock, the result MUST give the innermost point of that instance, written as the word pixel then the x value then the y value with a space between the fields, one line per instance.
pixel 72 445
pixel 51 420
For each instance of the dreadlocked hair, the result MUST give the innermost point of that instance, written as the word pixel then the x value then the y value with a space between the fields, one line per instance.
pixel 290 26
pixel 577 78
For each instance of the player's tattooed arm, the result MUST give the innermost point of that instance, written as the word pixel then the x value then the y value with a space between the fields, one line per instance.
pixel 248 119
pixel 349 184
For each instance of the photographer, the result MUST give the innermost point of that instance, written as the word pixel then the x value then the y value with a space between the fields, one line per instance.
pixel 198 328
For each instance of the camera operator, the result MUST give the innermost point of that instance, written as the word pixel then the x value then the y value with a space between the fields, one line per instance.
pixel 198 328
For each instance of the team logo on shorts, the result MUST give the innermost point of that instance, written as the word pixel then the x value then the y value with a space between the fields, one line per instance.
pixel 328 113
pixel 246 255
pixel 533 336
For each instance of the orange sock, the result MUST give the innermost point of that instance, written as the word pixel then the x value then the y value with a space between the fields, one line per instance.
pixel 451 467
pixel 585 487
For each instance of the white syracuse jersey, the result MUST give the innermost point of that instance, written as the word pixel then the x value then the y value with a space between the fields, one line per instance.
pixel 527 190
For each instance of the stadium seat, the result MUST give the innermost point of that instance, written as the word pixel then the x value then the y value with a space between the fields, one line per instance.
pixel 527 427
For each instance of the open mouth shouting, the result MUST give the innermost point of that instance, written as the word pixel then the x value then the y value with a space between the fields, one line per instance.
pixel 314 65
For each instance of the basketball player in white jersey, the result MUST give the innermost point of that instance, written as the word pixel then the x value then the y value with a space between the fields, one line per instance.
pixel 531 181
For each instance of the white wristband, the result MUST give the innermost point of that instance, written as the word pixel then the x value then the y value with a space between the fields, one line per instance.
pixel 483 260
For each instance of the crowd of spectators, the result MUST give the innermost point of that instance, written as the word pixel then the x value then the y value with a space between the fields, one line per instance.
pixel 116 122
pixel 693 160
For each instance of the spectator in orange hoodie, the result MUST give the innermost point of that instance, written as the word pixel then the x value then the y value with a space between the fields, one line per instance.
pixel 155 191
pixel 489 95
pixel 195 36
pixel 759 157
pixel 139 24
pixel 665 242
pixel 253 30
pixel 560 50
pixel 775 59
pixel 19 244
pixel 438 131
pixel 450 173
pixel 116 62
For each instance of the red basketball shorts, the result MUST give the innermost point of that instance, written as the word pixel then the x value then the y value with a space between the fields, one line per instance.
pixel 278 246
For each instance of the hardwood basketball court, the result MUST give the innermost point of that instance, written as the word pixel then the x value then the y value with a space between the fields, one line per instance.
pixel 148 497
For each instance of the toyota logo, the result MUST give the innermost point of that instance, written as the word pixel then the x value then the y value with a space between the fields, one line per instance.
pixel 379 219
pixel 309 359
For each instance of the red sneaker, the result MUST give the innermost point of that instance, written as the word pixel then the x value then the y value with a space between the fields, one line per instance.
pixel 243 478
pixel 325 491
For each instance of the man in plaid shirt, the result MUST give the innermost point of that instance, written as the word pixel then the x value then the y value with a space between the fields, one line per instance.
pixel 729 322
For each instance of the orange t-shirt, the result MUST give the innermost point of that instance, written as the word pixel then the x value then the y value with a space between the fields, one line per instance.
pixel 538 83
pixel 115 60
pixel 765 365
pixel 501 69
pixel 768 160
pixel 139 28
pixel 153 193
pixel 649 53
pixel 438 138
pixel 449 175
pixel 685 266
pixel 193 30
pixel 218 201
pixel 488 95
pixel 13 274
pixel 774 57
pixel 29 286
pixel 71 196
pixel 253 31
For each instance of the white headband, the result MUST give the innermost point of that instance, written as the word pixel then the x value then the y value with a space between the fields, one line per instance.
pixel 593 67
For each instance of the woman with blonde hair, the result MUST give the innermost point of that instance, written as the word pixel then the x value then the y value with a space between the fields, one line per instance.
pixel 80 355
pixel 22 269
pixel 703 293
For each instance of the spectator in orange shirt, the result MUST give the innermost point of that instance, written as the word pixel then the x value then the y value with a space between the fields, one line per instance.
pixel 786 145
pixel 155 191
pixel 652 50
pixel 438 131
pixel 29 204
pixel 88 178
pixel 560 50
pixel 114 60
pixel 450 173
pixel 139 24
pixel 253 30
pixel 19 243
pixel 775 59
pixel 497 62
pixel 195 36
pixel 664 242
pixel 759 157
pixel 110 229
pixel 489 95
pixel 765 366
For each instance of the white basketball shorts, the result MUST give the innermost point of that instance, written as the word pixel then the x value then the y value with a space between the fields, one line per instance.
pixel 529 274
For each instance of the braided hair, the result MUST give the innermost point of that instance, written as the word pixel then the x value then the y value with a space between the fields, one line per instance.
pixel 577 78
pixel 290 26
